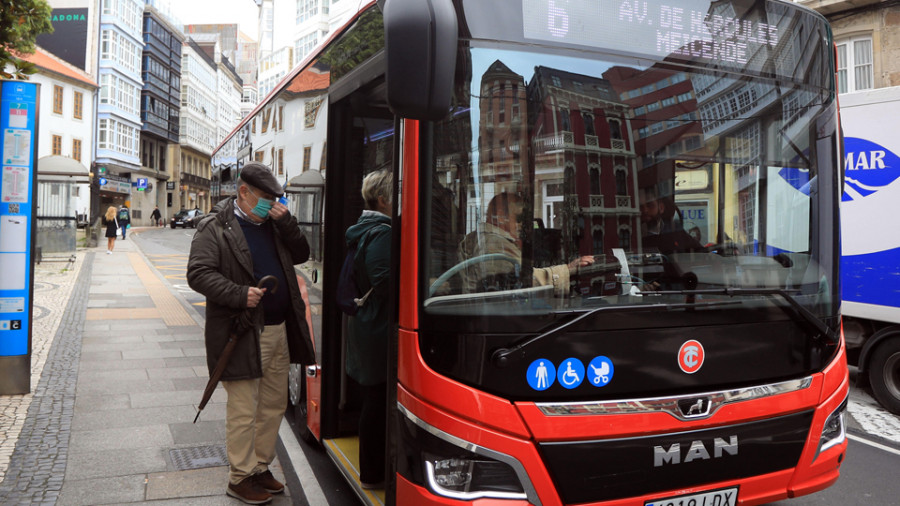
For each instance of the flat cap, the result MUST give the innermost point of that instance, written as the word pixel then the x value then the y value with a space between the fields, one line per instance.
pixel 259 176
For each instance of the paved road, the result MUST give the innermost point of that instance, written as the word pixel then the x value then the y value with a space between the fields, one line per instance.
pixel 869 475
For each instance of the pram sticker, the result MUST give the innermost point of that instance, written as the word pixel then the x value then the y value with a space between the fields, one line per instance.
pixel 600 371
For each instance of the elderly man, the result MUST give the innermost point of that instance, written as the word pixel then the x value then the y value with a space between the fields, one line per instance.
pixel 244 239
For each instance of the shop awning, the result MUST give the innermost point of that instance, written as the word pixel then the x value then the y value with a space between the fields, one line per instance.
pixel 55 168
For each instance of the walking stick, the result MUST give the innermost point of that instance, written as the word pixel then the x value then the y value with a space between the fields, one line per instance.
pixel 226 354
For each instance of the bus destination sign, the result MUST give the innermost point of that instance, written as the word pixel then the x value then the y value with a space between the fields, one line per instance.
pixel 713 31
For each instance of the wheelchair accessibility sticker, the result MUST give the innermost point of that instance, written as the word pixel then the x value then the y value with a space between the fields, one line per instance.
pixel 571 373
pixel 600 371
pixel 541 374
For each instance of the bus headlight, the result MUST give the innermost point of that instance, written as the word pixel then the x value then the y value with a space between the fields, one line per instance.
pixel 452 467
pixel 472 478
pixel 834 432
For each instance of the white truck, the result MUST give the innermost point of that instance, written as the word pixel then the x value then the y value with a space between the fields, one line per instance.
pixel 870 229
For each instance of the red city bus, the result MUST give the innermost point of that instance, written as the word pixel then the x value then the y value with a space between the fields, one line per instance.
pixel 615 246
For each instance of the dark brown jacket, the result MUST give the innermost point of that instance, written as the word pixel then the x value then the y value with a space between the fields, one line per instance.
pixel 221 268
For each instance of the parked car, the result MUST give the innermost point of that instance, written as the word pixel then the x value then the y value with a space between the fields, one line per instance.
pixel 186 218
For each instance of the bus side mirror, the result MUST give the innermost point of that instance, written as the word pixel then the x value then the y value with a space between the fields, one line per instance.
pixel 420 44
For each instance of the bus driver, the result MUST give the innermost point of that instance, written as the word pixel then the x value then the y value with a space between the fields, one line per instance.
pixel 500 233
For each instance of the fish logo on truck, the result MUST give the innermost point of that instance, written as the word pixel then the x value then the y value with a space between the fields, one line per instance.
pixel 868 167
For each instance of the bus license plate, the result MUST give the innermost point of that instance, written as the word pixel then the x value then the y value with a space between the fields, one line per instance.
pixel 725 497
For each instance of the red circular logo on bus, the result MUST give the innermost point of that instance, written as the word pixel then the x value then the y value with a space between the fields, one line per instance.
pixel 691 356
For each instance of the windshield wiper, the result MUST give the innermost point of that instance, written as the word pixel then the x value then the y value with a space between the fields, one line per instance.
pixel 805 314
pixel 502 357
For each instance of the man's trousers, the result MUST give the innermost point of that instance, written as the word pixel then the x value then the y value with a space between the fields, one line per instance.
pixel 255 408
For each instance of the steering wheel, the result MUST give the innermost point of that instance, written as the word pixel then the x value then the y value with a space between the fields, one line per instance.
pixel 465 264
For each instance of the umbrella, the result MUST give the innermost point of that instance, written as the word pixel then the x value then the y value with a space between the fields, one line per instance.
pixel 229 348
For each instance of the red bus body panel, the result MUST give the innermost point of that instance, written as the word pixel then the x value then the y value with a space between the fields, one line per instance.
pixel 409 225
pixel 495 423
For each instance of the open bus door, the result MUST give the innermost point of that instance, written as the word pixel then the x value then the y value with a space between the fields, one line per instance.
pixel 363 111
pixel 361 140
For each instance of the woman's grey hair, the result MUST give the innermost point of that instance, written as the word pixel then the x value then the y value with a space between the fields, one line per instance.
pixel 378 184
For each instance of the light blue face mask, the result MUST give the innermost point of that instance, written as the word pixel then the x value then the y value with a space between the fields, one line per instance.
pixel 262 207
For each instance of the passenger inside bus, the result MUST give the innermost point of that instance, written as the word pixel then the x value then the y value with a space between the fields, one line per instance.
pixel 494 253
pixel 370 329
pixel 661 226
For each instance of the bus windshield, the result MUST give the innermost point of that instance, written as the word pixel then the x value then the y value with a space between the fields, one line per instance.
pixel 567 179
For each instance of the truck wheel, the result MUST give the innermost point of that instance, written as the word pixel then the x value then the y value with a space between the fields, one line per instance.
pixel 884 374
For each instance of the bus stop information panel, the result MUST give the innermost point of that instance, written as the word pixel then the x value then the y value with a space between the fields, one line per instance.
pixel 18 149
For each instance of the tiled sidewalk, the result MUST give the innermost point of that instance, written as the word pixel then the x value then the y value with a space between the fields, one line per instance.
pixel 109 420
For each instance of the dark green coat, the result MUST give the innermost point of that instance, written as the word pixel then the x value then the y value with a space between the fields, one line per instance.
pixel 221 268
pixel 370 329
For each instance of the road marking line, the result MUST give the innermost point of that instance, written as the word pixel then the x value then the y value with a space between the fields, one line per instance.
pixel 874 444
pixel 308 481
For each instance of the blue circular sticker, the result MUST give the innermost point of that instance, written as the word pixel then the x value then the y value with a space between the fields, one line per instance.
pixel 570 373
pixel 600 371
pixel 541 374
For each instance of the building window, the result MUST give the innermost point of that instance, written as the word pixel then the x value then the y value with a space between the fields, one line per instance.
pixel 597 239
pixel 307 154
pixel 564 120
pixel 311 112
pixel 621 181
pixel 57 99
pixel 324 157
pixel 281 162
pixel 258 156
pixel 79 105
pixel 267 115
pixel 76 149
pixel 615 130
pixel 57 145
pixel 855 68
pixel 625 239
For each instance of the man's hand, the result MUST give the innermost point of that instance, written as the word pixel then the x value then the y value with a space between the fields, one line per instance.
pixel 278 211
pixel 579 262
pixel 254 295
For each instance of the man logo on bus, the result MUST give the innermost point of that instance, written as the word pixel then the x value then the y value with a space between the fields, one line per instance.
pixel 869 168
pixel 691 356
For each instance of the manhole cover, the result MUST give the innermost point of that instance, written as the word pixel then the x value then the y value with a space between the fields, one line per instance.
pixel 198 457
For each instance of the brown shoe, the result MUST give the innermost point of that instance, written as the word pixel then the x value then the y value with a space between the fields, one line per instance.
pixel 267 482
pixel 248 491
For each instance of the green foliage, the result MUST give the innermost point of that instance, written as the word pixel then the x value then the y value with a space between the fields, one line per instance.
pixel 21 21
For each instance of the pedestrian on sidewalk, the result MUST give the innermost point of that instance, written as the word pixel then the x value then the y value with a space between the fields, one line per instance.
pixel 242 240
pixel 112 227
pixel 124 219
pixel 156 216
